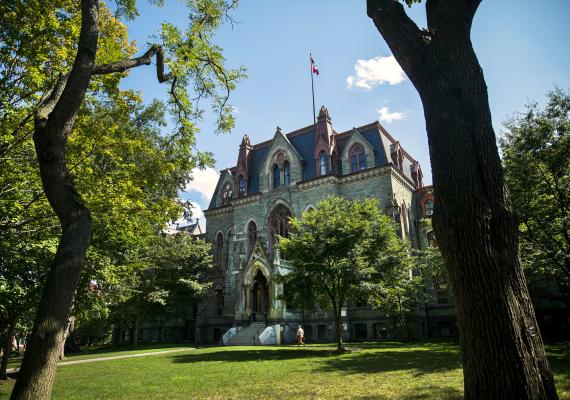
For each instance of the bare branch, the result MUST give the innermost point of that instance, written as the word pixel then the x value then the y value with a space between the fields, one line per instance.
pixel 145 59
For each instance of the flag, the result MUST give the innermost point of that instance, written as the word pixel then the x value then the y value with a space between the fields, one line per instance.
pixel 314 67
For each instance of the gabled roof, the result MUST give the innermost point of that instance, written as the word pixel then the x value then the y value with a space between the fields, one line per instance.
pixel 302 142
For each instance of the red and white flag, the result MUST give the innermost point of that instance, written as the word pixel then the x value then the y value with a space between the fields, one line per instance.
pixel 314 67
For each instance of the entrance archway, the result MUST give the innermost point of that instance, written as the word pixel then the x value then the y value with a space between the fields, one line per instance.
pixel 259 297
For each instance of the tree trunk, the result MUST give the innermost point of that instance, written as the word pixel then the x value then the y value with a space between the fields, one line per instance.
pixel 7 345
pixel 53 124
pixel 502 350
pixel 338 326
pixel 135 340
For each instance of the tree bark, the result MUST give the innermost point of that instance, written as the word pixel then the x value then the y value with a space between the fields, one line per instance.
pixel 135 339
pixel 53 123
pixel 7 345
pixel 338 325
pixel 502 350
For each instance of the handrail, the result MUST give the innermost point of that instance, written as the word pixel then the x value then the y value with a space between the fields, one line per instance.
pixel 266 336
pixel 229 335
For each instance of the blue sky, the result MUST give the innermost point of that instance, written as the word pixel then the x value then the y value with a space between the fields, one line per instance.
pixel 521 45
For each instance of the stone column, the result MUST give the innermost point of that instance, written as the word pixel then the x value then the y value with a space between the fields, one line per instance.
pixel 270 295
pixel 247 288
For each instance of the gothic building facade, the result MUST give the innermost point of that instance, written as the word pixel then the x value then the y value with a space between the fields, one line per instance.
pixel 283 177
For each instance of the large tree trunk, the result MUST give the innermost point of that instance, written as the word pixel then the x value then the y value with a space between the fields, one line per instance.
pixel 7 345
pixel 53 123
pixel 503 354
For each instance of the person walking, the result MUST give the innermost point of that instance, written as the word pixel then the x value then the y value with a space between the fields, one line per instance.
pixel 300 336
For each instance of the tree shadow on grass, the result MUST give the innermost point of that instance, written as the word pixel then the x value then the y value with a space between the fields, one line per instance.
pixel 559 360
pixel 419 361
pixel 252 355
pixel 427 392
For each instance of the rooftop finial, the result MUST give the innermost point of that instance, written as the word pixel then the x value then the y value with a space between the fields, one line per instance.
pixel 324 113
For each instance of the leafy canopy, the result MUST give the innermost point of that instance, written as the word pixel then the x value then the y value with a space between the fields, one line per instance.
pixel 536 161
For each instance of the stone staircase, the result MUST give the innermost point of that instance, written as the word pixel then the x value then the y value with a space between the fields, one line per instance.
pixel 245 336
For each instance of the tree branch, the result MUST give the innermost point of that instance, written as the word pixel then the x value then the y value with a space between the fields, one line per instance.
pixel 405 39
pixel 67 105
pixel 145 59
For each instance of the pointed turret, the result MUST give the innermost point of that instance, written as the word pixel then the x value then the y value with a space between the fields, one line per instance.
pixel 242 170
pixel 324 141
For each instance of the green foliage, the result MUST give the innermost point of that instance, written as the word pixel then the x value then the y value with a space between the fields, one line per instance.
pixel 169 270
pixel 126 165
pixel 536 161
pixel 344 249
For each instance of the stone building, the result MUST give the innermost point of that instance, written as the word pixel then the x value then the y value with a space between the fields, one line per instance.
pixel 283 177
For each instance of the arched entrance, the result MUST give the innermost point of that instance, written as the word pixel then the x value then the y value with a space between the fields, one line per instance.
pixel 259 297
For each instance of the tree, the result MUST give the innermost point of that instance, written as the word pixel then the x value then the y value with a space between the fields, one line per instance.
pixel 170 271
pixel 345 249
pixel 536 159
pixel 191 58
pixel 502 350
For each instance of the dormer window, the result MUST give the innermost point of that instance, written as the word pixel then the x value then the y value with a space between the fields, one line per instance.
pixel 287 173
pixel 242 186
pixel 357 158
pixel 227 194
pixel 276 176
pixel 323 163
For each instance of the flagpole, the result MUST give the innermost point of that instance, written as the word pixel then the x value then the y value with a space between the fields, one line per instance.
pixel 312 86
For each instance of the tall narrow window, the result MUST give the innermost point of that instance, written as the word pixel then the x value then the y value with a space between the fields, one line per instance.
pixel 357 158
pixel 278 224
pixel 251 236
pixel 219 249
pixel 287 173
pixel 219 302
pixel 227 194
pixel 276 176
pixel 324 163
pixel 242 186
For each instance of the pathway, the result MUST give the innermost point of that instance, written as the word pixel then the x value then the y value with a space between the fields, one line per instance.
pixel 90 360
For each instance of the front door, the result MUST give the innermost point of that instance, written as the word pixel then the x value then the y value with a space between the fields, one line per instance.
pixel 260 296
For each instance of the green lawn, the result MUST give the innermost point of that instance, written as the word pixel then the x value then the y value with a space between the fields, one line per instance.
pixel 423 370
pixel 107 351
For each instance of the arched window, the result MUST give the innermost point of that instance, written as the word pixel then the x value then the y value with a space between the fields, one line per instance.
pixel 324 163
pixel 219 248
pixel 276 176
pixel 278 224
pixel 251 236
pixel 227 194
pixel 357 158
pixel 242 186
pixel 287 173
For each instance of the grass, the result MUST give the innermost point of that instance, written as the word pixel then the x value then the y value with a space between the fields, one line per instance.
pixel 422 370
pixel 106 351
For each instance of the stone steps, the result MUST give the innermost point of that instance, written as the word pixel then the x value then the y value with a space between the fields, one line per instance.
pixel 245 337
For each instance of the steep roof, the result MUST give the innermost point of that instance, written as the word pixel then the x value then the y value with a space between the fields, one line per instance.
pixel 303 141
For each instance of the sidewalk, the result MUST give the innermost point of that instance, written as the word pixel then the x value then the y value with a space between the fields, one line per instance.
pixel 89 360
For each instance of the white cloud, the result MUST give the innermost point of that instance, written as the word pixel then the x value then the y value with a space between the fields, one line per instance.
pixel 374 72
pixel 203 182
pixel 197 212
pixel 387 116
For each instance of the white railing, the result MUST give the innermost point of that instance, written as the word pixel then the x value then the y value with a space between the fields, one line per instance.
pixel 229 335
pixel 267 336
